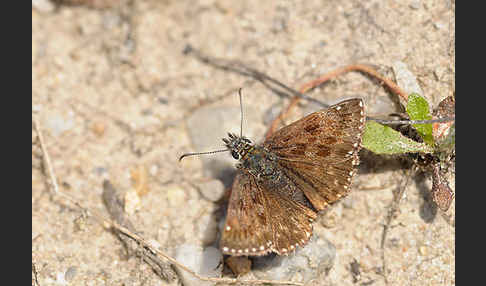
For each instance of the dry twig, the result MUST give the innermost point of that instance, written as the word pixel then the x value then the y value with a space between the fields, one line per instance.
pixel 35 281
pixel 333 74
pixel 115 208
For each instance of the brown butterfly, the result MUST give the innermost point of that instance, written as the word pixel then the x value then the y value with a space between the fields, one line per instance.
pixel 283 183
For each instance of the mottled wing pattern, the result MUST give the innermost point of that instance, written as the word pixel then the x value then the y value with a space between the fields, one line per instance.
pixel 247 230
pixel 319 152
pixel 291 223
pixel 273 223
pixel 316 155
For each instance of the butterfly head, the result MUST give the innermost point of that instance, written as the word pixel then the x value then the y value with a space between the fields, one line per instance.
pixel 238 145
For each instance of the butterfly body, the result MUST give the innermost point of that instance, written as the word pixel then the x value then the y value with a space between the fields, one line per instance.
pixel 283 183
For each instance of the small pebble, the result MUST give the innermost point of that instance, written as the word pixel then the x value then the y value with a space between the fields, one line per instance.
pixel 132 201
pixel 36 107
pixel 60 279
pixel 154 169
pixel 406 79
pixel 439 26
pixel 205 262
pixel 98 128
pixel 44 6
pixel 415 4
pixel 306 264
pixel 212 190
pixel 100 171
pixel 58 124
pixel 423 250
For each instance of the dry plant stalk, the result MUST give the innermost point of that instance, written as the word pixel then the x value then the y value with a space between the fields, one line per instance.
pixel 333 74
pixel 35 282
pixel 115 208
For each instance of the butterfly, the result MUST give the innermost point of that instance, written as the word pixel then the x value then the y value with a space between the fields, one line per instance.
pixel 283 183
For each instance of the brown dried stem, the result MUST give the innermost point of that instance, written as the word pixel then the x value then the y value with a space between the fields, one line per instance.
pixel 35 282
pixel 117 213
pixel 333 74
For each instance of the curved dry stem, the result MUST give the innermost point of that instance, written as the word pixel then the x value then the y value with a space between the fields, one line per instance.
pixel 333 74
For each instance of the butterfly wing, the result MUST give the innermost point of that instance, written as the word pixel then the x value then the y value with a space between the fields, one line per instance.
pixel 260 220
pixel 318 152
pixel 291 222
pixel 247 229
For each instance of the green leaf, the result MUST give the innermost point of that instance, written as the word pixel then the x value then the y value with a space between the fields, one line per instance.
pixel 382 139
pixel 418 109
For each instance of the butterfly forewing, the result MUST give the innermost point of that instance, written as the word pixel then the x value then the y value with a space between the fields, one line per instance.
pixel 319 151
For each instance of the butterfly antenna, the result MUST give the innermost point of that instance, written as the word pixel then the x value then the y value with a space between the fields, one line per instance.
pixel 241 112
pixel 201 153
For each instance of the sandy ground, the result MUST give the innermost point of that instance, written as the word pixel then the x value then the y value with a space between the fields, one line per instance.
pixel 113 91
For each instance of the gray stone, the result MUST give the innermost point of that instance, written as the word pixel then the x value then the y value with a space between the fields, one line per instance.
pixel 212 190
pixel 58 123
pixel 415 4
pixel 440 26
pixel 44 6
pixel 206 229
pixel 406 79
pixel 306 264
pixel 205 262
pixel 380 105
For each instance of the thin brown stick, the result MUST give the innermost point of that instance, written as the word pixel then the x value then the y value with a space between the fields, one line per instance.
pixel 34 270
pixel 134 236
pixel 115 208
pixel 361 68
pixel 335 73
pixel 49 165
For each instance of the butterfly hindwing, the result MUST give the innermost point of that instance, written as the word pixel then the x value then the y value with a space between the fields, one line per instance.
pixel 247 229
pixel 260 220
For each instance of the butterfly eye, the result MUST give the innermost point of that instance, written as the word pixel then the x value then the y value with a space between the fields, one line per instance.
pixel 235 155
